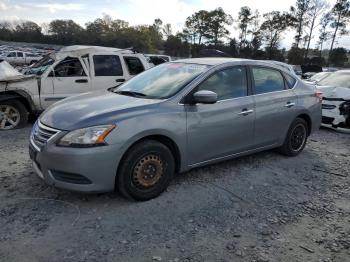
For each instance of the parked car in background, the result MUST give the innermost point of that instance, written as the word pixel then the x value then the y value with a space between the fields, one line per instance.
pixel 336 99
pixel 318 77
pixel 71 71
pixel 157 59
pixel 329 69
pixel 20 58
pixel 171 118
pixel 309 70
pixel 212 53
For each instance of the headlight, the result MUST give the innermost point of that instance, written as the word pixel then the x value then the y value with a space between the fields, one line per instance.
pixel 86 137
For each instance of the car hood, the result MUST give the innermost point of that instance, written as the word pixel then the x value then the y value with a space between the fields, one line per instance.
pixel 335 92
pixel 10 74
pixel 91 109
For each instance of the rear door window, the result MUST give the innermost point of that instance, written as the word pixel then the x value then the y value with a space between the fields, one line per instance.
pixel 134 65
pixel 69 67
pixel 12 54
pixel 267 80
pixel 107 65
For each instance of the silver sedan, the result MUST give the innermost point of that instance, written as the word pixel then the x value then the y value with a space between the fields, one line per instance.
pixel 169 119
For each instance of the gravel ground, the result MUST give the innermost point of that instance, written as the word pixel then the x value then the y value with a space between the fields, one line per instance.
pixel 264 207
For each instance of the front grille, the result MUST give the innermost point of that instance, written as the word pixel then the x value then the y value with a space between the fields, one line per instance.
pixel 41 134
pixel 325 106
pixel 327 120
pixel 70 178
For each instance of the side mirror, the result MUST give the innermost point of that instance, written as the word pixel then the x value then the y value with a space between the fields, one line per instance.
pixel 51 74
pixel 205 97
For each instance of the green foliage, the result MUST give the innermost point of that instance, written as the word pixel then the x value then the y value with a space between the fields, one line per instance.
pixel 338 57
pixel 272 28
pixel 259 36
pixel 174 46
pixel 208 26
pixel 196 26
pixel 217 20
pixel 296 56
pixel 298 13
pixel 324 34
pixel 65 32
pixel 245 17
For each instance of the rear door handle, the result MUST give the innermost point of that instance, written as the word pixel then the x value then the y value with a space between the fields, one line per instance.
pixel 246 112
pixel 120 80
pixel 289 104
pixel 81 81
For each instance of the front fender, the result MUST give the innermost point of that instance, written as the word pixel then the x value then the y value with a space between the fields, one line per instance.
pixel 21 95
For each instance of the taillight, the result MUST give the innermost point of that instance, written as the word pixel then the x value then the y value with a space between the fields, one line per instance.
pixel 319 95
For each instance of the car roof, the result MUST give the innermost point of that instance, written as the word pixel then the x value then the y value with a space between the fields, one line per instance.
pixel 210 60
pixel 213 61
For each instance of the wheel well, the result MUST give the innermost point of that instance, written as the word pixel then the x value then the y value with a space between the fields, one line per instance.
pixel 167 142
pixel 19 97
pixel 307 120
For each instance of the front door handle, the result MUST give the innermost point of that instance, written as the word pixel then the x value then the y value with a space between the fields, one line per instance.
pixel 246 112
pixel 289 105
pixel 120 80
pixel 81 81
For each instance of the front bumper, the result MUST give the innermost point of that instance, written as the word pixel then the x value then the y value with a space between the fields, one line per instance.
pixel 88 170
pixel 332 114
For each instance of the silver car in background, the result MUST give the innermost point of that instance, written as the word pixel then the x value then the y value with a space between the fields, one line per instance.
pixel 318 77
pixel 169 119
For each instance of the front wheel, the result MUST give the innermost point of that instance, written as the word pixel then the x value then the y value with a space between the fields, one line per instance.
pixel 13 114
pixel 146 170
pixel 296 138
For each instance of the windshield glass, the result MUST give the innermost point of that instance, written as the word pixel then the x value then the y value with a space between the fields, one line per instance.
pixel 162 81
pixel 41 66
pixel 339 79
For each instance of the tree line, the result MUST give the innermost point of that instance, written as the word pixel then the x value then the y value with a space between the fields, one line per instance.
pixel 259 35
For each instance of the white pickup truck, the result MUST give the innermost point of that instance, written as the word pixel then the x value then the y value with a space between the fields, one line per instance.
pixel 20 58
pixel 71 71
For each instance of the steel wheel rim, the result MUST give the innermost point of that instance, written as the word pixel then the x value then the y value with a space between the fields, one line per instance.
pixel 148 171
pixel 9 117
pixel 298 137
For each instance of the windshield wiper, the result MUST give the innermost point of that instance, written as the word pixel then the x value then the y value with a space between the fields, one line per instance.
pixel 130 93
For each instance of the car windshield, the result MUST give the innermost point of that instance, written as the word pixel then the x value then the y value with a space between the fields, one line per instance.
pixel 339 79
pixel 162 81
pixel 41 66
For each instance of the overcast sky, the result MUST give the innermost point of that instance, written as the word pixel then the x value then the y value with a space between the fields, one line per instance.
pixel 140 11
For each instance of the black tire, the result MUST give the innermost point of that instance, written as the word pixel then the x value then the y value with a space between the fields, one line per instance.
pixel 296 138
pixel 22 111
pixel 159 158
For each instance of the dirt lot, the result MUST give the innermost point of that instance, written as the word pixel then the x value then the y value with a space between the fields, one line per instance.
pixel 264 207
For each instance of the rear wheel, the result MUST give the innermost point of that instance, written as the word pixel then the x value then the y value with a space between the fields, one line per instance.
pixel 13 114
pixel 296 138
pixel 146 170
